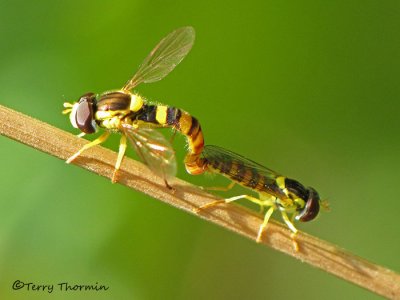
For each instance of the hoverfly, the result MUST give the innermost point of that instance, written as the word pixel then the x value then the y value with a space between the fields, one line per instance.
pixel 128 113
pixel 275 191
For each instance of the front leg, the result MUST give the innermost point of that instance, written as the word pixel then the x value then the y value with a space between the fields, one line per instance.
pixel 97 141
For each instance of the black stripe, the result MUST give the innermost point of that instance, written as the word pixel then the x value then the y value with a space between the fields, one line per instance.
pixel 241 170
pixel 271 187
pixel 116 95
pixel 226 167
pixel 194 136
pixel 215 164
pixel 116 105
pixel 193 127
pixel 171 115
pixel 255 177
pixel 149 114
pixel 177 118
pixel 112 105
pixel 114 101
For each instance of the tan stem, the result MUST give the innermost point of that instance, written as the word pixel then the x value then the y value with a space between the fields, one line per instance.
pixel 135 175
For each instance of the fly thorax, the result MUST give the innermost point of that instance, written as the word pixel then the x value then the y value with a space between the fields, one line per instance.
pixel 83 112
pixel 112 107
pixel 113 123
pixel 286 204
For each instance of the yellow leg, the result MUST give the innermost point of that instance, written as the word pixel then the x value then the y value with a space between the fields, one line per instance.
pixel 250 198
pixel 267 200
pixel 264 224
pixel 214 203
pixel 97 141
pixel 289 223
pixel 121 153
pixel 171 140
pixel 220 188
pixel 228 200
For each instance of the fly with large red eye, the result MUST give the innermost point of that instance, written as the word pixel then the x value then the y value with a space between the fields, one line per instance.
pixel 84 116
pixel 311 209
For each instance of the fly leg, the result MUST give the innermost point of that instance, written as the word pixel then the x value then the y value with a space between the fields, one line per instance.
pixel 172 189
pixel 171 140
pixel 264 224
pixel 294 230
pixel 228 200
pixel 167 185
pixel 220 188
pixel 121 153
pixel 97 141
pixel 266 200
pixel 261 203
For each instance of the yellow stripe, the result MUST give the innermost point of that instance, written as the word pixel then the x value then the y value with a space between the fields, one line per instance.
pixel 136 103
pixel 185 122
pixel 234 168
pixel 280 181
pixel 194 165
pixel 199 137
pixel 161 114
pixel 197 144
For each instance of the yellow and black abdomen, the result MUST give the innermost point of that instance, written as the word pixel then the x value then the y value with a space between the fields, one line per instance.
pixel 290 194
pixel 166 116
pixel 218 160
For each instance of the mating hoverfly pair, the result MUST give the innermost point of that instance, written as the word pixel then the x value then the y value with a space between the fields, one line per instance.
pixel 128 113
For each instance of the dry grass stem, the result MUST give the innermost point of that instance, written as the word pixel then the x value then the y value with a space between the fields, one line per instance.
pixel 135 175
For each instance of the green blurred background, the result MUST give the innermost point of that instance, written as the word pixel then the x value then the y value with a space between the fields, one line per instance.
pixel 307 88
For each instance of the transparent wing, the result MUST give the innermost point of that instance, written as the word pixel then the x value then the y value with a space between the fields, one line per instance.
pixel 168 53
pixel 153 148
pixel 213 153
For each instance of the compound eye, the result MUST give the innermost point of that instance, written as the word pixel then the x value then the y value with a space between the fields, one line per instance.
pixel 85 114
pixel 311 209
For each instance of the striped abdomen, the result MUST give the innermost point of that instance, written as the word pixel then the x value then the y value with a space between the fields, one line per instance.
pixel 166 116
pixel 242 174
pixel 290 194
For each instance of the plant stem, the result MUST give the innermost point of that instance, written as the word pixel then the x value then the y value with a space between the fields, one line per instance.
pixel 135 175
